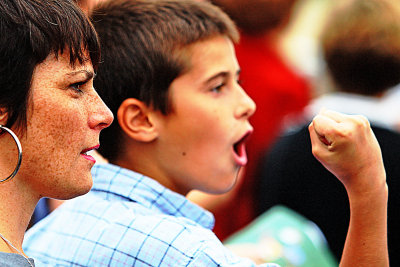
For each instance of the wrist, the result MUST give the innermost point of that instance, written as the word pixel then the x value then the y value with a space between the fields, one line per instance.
pixel 370 196
pixel 369 179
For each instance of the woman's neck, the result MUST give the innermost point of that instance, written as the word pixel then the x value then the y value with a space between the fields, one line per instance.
pixel 16 208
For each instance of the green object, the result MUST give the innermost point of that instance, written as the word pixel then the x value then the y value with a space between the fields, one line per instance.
pixel 283 236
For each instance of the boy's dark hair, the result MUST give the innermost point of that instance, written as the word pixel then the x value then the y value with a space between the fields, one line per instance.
pixel 361 45
pixel 30 30
pixel 144 49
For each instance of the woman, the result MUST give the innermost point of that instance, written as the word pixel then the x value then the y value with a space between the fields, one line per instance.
pixel 48 108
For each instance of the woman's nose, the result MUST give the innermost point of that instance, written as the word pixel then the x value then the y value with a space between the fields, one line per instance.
pixel 101 117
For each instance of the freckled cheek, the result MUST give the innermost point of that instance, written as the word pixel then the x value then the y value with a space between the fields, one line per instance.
pixel 61 125
pixel 72 125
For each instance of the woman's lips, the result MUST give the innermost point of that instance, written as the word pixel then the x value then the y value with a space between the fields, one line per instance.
pixel 84 153
pixel 88 157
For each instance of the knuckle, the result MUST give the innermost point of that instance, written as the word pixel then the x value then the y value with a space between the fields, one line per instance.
pixel 316 151
pixel 361 121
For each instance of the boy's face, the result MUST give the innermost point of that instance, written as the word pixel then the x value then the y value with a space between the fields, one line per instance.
pixel 201 140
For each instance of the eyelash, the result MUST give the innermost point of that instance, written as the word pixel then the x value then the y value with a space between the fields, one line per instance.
pixel 218 88
pixel 76 87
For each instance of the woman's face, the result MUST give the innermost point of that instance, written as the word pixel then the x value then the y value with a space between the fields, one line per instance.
pixel 64 118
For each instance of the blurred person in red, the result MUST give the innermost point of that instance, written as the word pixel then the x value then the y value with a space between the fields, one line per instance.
pixel 276 87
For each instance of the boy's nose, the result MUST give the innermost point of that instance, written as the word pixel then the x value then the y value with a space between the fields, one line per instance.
pixel 247 107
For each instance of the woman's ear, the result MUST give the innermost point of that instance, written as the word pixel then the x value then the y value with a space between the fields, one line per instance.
pixel 134 119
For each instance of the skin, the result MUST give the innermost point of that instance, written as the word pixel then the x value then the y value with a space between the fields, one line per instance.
pixel 192 146
pixel 64 117
pixel 88 5
pixel 73 115
pixel 347 147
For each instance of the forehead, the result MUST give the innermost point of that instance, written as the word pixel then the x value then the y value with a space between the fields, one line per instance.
pixel 58 67
pixel 211 56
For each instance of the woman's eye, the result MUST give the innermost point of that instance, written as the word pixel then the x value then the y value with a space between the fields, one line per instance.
pixel 77 87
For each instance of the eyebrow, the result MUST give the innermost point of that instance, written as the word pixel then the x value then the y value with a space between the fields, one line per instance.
pixel 222 74
pixel 88 74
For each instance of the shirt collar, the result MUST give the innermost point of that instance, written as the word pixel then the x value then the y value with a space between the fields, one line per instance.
pixel 147 192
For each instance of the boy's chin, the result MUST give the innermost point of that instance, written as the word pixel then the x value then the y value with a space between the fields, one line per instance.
pixel 222 189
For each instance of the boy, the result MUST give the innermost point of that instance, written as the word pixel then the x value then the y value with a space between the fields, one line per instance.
pixel 170 76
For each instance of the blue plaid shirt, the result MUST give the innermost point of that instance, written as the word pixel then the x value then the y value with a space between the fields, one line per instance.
pixel 128 219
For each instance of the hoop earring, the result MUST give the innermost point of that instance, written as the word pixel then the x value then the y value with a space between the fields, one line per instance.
pixel 16 140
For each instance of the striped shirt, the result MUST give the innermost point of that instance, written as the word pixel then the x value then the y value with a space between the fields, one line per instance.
pixel 128 219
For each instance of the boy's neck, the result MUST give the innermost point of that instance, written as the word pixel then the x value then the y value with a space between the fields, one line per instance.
pixel 142 160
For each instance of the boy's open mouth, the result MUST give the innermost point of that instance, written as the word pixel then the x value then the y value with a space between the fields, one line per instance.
pixel 239 149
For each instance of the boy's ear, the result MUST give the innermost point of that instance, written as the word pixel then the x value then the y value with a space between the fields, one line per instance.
pixel 134 119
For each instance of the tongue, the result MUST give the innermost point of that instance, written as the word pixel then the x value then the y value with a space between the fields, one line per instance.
pixel 240 152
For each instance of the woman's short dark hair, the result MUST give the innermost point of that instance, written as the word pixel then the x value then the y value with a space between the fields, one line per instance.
pixel 144 49
pixel 361 45
pixel 30 30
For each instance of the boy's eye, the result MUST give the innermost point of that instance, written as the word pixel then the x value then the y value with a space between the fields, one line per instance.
pixel 218 88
